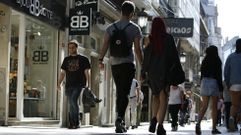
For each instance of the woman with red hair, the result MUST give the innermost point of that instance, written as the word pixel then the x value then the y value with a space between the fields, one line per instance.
pixel 160 60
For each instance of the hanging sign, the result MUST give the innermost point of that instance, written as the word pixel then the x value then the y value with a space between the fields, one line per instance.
pixel 79 21
pixel 81 17
pixel 179 27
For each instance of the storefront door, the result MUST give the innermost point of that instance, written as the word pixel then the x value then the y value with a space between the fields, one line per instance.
pixel 33 64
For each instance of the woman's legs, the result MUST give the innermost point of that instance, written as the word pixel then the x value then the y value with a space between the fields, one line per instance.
pixel 214 111
pixel 162 107
pixel 159 106
pixel 204 106
pixel 155 107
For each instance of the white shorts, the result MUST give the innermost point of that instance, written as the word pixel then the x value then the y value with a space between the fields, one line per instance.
pixel 235 87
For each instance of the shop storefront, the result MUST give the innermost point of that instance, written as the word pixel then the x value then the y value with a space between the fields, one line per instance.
pixel 30 32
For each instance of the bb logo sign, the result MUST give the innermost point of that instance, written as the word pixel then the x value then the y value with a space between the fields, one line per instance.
pixel 79 21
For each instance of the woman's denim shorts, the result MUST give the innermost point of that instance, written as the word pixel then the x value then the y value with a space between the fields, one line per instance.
pixel 209 87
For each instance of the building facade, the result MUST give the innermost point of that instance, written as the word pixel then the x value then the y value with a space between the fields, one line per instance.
pixel 31 32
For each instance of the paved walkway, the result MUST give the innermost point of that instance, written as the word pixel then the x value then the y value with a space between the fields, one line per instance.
pixel 95 130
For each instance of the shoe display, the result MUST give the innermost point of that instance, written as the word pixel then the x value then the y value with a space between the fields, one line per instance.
pixel 198 129
pixel 152 127
pixel 160 130
pixel 215 131
pixel 120 126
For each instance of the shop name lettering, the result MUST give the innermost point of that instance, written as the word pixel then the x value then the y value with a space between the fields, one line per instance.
pixel 40 57
pixel 182 30
pixel 35 8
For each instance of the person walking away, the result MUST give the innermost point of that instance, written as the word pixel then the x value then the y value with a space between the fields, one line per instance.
pixel 131 111
pixel 76 68
pixel 119 38
pixel 211 85
pixel 184 111
pixel 139 108
pixel 232 77
pixel 227 104
pixel 220 106
pixel 174 104
pixel 160 56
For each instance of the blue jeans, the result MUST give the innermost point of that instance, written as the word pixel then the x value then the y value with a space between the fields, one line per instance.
pixel 73 94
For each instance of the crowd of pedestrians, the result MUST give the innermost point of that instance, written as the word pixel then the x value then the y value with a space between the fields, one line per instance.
pixel 162 68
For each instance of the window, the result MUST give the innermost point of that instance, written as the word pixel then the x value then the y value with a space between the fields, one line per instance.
pixel 33 53
pixel 39 69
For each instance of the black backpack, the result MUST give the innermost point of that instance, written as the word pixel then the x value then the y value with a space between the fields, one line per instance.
pixel 118 42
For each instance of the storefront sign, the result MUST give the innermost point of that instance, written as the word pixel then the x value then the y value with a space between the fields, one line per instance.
pixel 49 11
pixel 81 17
pixel 79 21
pixel 36 8
pixel 179 27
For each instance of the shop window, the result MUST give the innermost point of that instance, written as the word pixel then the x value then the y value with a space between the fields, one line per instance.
pixel 39 57
pixel 39 69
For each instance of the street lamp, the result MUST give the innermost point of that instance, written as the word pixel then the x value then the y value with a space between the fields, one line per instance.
pixel 142 18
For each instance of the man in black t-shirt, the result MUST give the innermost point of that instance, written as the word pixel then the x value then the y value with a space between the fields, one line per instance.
pixel 76 68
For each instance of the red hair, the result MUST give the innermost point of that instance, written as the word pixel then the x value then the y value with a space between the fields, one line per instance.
pixel 156 39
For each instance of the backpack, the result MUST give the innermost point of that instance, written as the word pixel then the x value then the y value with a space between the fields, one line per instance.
pixel 118 42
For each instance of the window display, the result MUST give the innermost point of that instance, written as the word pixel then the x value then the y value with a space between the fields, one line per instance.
pixel 39 68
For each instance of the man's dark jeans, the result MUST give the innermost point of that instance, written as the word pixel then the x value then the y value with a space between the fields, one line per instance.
pixel 123 75
pixel 73 94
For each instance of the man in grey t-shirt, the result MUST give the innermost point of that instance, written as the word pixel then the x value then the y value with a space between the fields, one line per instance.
pixel 123 68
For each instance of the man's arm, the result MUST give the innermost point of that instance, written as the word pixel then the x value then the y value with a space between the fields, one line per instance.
pixel 138 50
pixel 61 78
pixel 103 50
pixel 88 79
